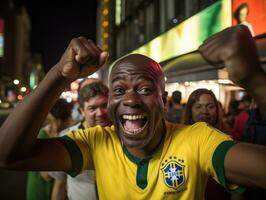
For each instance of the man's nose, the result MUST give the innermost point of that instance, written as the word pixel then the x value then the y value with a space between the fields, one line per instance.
pixel 132 99
pixel 101 111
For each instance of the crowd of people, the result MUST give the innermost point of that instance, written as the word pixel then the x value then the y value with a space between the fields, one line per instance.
pixel 128 146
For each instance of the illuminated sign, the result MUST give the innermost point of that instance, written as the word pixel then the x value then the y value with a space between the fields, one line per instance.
pixel 188 35
pixel 251 13
pixel 1 37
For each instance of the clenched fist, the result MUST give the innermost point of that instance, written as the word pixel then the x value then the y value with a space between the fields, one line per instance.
pixel 235 49
pixel 81 58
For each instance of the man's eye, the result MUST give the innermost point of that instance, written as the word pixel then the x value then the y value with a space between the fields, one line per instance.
pixel 91 109
pixel 118 91
pixel 145 91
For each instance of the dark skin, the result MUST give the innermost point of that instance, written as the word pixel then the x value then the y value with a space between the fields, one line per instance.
pixel 136 88
pixel 137 93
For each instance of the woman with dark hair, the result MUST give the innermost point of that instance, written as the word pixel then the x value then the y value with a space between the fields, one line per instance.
pixel 241 14
pixel 202 106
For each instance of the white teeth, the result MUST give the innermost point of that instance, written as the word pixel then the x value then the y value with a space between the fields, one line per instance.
pixel 132 117
pixel 133 131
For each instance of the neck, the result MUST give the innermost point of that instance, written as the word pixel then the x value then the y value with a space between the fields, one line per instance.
pixel 152 146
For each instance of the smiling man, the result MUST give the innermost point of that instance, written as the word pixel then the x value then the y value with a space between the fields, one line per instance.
pixel 140 156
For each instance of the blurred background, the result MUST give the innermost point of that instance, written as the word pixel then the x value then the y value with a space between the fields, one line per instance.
pixel 34 34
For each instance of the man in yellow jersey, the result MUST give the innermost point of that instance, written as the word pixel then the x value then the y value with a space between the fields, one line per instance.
pixel 140 156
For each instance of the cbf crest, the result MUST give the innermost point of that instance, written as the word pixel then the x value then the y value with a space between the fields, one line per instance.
pixel 173 173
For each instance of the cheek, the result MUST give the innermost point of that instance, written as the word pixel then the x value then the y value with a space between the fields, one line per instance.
pixel 88 114
pixel 213 112
pixel 111 109
pixel 194 113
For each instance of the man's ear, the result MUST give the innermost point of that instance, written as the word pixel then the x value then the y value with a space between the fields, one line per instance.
pixel 81 111
pixel 165 94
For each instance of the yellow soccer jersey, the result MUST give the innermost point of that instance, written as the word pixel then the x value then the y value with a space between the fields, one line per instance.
pixel 179 169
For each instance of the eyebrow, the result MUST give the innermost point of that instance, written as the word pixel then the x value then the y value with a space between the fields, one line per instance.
pixel 123 77
pixel 118 77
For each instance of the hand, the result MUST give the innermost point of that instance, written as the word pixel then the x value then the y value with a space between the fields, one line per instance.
pixel 235 49
pixel 45 176
pixel 81 58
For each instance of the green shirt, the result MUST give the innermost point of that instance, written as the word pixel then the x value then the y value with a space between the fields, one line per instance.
pixel 37 187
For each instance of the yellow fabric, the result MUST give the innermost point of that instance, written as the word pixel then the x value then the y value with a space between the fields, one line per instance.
pixel 186 148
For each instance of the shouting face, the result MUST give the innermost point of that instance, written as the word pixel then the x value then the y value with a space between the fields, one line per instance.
pixel 136 102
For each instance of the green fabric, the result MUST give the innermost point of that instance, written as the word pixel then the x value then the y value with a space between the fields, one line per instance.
pixel 37 187
pixel 218 164
pixel 142 171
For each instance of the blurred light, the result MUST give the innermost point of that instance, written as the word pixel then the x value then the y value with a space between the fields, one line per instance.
pixel 23 89
pixel 16 81
pixel 74 86
pixel 19 97
pixel 105 35
pixel 105 23
pixel 94 75
pixel 105 11
pixel 224 81
pixel 175 20
pixel 69 96
pixel 0 101
pixel 69 99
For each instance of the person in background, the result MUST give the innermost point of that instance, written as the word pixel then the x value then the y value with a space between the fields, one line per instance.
pixel 174 114
pixel 242 118
pixel 40 184
pixel 92 99
pixel 202 106
pixel 241 15
pixel 254 132
pixel 75 114
pixel 232 112
pixel 140 156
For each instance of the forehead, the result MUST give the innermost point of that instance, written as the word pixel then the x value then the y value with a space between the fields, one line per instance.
pixel 136 65
pixel 97 100
pixel 205 98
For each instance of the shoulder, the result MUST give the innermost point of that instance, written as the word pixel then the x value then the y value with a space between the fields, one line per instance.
pixel 69 129
pixel 88 134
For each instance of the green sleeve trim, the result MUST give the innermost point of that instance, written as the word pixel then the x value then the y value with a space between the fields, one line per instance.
pixel 218 164
pixel 75 155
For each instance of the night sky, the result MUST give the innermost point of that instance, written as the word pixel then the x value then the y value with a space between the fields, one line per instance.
pixel 55 23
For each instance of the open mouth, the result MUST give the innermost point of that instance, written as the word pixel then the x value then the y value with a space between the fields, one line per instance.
pixel 133 124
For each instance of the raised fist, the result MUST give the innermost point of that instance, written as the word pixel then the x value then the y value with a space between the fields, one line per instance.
pixel 81 58
pixel 235 49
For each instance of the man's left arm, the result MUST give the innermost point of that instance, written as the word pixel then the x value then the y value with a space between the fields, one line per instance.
pixel 234 48
pixel 245 164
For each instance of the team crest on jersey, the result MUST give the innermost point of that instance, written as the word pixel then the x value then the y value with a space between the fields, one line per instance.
pixel 173 173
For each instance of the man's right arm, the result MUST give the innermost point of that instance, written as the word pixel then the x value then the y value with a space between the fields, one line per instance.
pixel 19 148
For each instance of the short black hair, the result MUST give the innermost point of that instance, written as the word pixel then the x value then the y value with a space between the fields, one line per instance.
pixel 61 109
pixel 92 90
pixel 176 97
pixel 237 11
